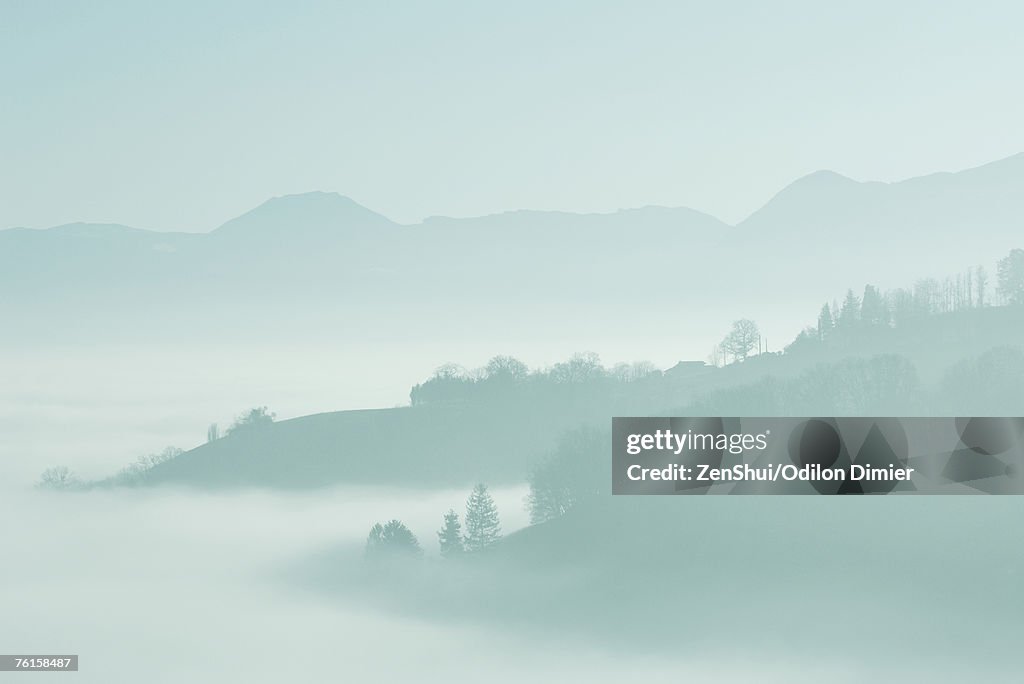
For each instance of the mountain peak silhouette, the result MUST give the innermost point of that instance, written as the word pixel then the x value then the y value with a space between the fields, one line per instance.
pixel 828 200
pixel 808 200
pixel 309 212
pixel 822 177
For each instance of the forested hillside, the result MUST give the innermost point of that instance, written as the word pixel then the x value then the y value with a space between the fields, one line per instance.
pixel 907 352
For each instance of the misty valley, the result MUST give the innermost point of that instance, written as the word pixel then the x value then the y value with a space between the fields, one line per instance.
pixel 498 343
pixel 468 508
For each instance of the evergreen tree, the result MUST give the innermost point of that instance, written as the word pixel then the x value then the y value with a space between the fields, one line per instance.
pixel 849 313
pixel 825 323
pixel 482 525
pixel 450 535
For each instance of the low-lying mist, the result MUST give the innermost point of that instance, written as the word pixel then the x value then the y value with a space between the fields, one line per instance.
pixel 175 586
pixel 165 585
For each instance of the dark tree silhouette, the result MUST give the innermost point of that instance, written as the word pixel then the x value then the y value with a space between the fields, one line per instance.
pixel 506 368
pixel 450 536
pixel 506 378
pixel 391 540
pixel 253 418
pixel 448 383
pixel 483 527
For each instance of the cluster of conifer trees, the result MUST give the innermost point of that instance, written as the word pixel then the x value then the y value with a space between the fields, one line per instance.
pixel 482 529
pixel 929 296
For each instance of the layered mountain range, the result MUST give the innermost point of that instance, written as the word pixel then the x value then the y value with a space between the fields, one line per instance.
pixel 323 264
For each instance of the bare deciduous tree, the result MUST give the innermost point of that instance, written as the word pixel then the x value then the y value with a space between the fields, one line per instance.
pixel 58 477
pixel 741 340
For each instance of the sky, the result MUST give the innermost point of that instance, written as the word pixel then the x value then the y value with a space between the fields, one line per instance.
pixel 180 116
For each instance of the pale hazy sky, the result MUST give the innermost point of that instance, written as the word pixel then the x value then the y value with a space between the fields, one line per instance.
pixel 181 115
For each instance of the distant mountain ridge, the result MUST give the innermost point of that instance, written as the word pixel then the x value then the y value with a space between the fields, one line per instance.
pixel 338 268
pixel 991 191
pixel 319 208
